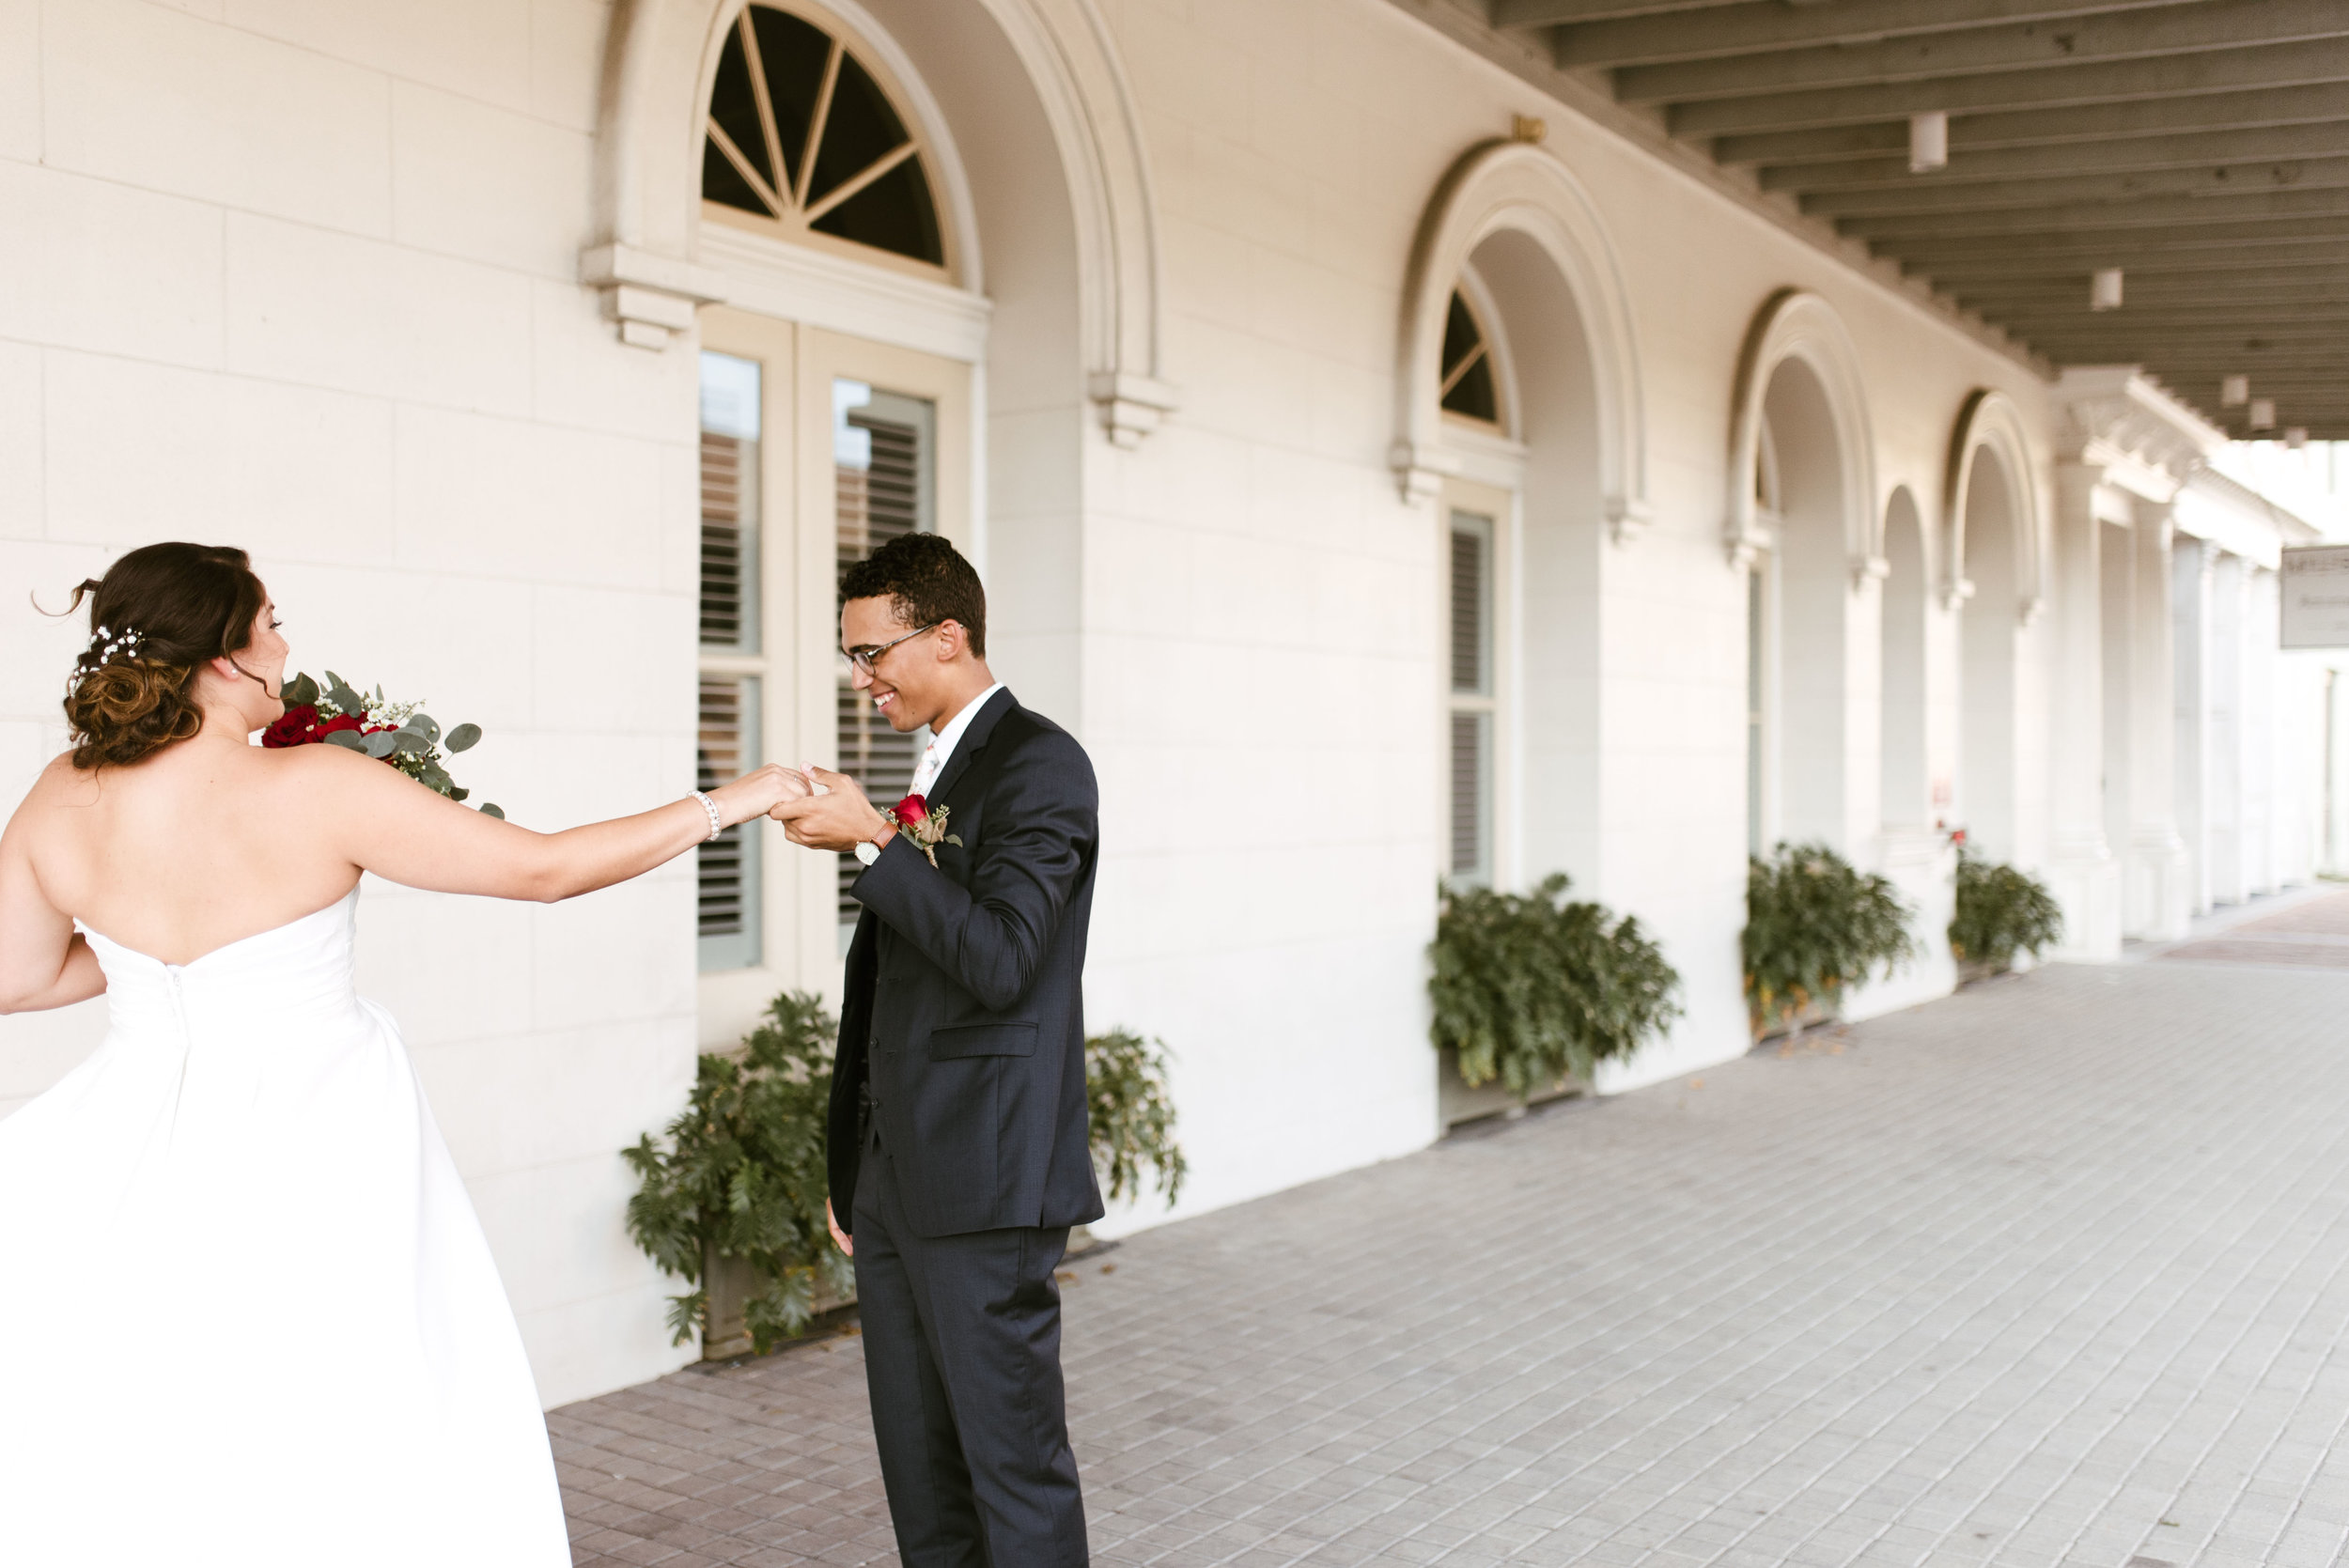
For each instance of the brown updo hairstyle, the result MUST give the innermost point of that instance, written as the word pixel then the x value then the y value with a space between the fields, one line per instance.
pixel 186 605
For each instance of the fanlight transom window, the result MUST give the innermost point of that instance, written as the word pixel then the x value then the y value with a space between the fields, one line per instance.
pixel 802 135
pixel 1469 388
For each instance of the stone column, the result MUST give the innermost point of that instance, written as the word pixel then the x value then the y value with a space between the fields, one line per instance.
pixel 2081 871
pixel 2191 561
pixel 2262 797
pixel 2160 898
pixel 2222 735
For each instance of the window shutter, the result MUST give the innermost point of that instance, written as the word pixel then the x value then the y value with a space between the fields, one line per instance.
pixel 882 456
pixel 727 740
pixel 728 864
pixel 1470 743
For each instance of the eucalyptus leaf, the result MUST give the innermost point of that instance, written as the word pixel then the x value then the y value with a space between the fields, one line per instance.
pixel 411 742
pixel 380 744
pixel 424 725
pixel 300 692
pixel 463 737
pixel 489 808
pixel 455 793
pixel 348 739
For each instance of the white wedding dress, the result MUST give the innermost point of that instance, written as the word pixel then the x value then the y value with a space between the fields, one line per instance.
pixel 247 1315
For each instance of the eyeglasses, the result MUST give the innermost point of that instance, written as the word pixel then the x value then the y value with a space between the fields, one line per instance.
pixel 869 655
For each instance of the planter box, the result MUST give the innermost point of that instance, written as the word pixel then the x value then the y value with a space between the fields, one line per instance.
pixel 1457 1102
pixel 731 1284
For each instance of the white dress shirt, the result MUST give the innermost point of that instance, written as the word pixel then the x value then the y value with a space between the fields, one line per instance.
pixel 941 747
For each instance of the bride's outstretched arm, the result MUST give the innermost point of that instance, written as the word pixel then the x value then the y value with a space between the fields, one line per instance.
pixel 45 962
pixel 385 823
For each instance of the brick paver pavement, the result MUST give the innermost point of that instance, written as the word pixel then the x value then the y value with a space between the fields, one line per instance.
pixel 2053 1272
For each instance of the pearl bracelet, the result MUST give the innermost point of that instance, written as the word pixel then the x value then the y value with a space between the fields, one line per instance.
pixel 717 824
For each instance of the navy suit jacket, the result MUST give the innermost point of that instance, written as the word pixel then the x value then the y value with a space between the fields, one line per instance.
pixel 963 1029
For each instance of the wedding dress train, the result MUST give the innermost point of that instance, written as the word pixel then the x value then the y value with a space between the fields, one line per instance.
pixel 247 1315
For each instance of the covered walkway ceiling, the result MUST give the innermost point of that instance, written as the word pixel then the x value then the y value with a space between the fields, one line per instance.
pixel 2199 146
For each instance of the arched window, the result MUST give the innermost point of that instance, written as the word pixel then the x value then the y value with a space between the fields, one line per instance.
pixel 1469 388
pixel 803 140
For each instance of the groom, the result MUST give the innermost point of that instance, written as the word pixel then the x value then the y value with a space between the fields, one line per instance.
pixel 958 1152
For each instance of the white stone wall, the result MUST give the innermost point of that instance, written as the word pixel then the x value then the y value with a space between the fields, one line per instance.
pixel 302 276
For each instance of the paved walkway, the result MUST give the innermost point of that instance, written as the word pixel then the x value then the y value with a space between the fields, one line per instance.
pixel 2053 1272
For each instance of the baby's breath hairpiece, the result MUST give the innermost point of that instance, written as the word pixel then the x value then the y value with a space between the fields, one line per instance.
pixel 105 644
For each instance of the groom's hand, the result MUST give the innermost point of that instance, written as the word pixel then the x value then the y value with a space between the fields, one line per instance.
pixel 839 819
pixel 839 1236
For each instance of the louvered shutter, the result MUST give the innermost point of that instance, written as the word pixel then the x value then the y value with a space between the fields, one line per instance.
pixel 882 460
pixel 727 738
pixel 1469 817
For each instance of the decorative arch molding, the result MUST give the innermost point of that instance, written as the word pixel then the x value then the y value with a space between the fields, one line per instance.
pixel 647 199
pixel 1990 418
pixel 1515 185
pixel 1798 325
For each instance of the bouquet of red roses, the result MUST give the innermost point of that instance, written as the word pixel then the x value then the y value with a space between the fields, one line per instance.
pixel 399 733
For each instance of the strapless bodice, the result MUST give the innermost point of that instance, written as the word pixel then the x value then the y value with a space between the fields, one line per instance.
pixel 298 975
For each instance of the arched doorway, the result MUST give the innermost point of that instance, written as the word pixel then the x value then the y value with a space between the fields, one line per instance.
pixel 898 317
pixel 1802 526
pixel 1994 575
pixel 1519 420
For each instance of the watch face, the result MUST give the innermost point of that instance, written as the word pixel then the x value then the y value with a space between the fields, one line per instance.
pixel 868 853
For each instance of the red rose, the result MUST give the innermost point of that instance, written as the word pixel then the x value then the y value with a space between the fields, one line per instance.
pixel 913 811
pixel 298 727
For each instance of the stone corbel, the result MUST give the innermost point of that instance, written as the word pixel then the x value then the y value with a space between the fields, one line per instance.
pixel 652 296
pixel 1744 542
pixel 2032 608
pixel 1868 569
pixel 1628 518
pixel 1420 471
pixel 1956 591
pixel 1132 406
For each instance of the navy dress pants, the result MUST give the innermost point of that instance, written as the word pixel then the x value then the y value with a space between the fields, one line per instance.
pixel 962 1361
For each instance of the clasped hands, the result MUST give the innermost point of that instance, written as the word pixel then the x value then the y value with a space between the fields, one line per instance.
pixel 818 807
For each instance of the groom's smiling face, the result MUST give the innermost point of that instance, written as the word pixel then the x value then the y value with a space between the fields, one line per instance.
pixel 911 683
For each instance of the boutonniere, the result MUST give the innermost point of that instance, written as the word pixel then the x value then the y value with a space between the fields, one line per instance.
pixel 925 824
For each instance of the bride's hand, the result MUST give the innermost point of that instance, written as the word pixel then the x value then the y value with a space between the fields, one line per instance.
pixel 756 793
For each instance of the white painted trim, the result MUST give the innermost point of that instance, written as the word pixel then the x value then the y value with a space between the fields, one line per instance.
pixel 798 283
pixel 1795 324
pixel 1515 185
pixel 1990 418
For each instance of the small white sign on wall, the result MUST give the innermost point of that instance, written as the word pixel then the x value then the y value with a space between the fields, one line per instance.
pixel 2316 597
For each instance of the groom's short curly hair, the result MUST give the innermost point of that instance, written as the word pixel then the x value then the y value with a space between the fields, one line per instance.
pixel 925 580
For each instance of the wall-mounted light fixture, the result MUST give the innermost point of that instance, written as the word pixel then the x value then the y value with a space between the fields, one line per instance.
pixel 1928 141
pixel 2104 290
pixel 2262 413
pixel 2233 391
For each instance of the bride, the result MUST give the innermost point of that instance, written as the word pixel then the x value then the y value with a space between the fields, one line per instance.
pixel 246 1313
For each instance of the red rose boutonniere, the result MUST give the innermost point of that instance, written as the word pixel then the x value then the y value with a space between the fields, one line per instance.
pixel 924 825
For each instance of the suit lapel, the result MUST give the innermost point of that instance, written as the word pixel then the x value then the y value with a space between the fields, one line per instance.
pixel 974 741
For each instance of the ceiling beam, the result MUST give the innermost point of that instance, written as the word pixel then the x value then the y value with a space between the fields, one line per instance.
pixel 2179 324
pixel 2165 77
pixel 2314 285
pixel 2208 149
pixel 2082 44
pixel 2215 182
pixel 1544 13
pixel 1768 24
pixel 2124 247
pixel 1951 264
pixel 1896 230
pixel 2241 110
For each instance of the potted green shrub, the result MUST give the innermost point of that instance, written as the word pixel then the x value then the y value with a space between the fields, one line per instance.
pixel 2001 912
pixel 731 1199
pixel 1531 990
pixel 734 1205
pixel 1815 926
